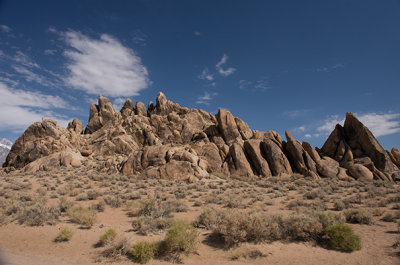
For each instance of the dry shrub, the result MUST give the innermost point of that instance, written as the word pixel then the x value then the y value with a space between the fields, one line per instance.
pixel 38 214
pixel 146 224
pixel 234 226
pixel 117 248
pixel 358 216
pixel 83 216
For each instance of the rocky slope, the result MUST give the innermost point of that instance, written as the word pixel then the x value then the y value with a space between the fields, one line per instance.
pixel 168 141
pixel 5 146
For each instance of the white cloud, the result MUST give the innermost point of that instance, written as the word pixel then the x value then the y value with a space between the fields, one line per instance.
pixel 197 33
pixel 118 103
pixel 300 128
pixel 206 75
pixel 381 124
pixel 227 71
pixel 206 98
pixel 5 28
pixel 378 124
pixel 103 66
pixel 330 123
pixel 307 136
pixel 19 108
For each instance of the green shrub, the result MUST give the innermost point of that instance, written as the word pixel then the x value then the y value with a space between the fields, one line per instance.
pixel 181 237
pixel 143 252
pixel 358 216
pixel 83 216
pixel 64 235
pixel 108 236
pixel 342 237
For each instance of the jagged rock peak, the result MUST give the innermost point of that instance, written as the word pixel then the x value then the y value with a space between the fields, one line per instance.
pixel 354 140
pixel 168 141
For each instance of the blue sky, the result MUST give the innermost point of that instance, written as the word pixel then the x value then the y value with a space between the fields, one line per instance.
pixel 295 65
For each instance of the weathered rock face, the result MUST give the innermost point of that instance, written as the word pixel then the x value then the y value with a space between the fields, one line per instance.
pixel 329 168
pixel 237 161
pixel 39 140
pixel 299 157
pixel 100 115
pixel 358 171
pixel 277 160
pixel 54 161
pixel 76 126
pixel 395 156
pixel 168 141
pixel 354 144
pixel 253 149
pixel 360 138
pixel 227 126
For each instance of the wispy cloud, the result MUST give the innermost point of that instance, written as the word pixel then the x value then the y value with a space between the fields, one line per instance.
pixel 25 60
pixel 103 66
pixel 139 38
pixel 224 72
pixel 20 108
pixel 258 85
pixel 5 28
pixel 197 33
pixel 206 75
pixel 300 128
pixel 30 76
pixel 206 98
pixel 379 124
pixel 50 52
pixel 328 69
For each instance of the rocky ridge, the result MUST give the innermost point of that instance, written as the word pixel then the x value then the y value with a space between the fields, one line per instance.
pixel 168 141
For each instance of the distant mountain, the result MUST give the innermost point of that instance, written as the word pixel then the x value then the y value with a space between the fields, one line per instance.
pixel 5 147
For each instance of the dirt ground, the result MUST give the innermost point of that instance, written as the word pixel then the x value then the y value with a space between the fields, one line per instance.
pixel 114 197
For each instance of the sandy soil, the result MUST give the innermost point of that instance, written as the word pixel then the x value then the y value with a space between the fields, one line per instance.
pixel 31 245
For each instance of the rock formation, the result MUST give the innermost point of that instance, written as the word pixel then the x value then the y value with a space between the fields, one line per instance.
pixel 168 141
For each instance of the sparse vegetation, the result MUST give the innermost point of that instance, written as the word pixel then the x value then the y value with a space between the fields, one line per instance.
pixel 108 236
pixel 181 237
pixel 358 216
pixel 38 214
pixel 83 216
pixel 64 235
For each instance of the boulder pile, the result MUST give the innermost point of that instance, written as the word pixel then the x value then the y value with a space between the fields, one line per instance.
pixel 172 142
